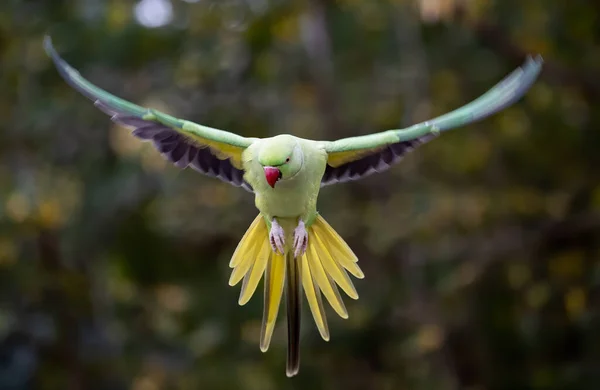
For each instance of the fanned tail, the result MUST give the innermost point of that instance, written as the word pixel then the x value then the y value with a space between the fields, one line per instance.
pixel 324 264
pixel 320 270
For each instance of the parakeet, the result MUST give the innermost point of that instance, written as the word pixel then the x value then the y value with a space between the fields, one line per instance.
pixel 289 242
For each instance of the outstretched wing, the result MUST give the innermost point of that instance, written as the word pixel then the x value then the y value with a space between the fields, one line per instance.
pixel 356 157
pixel 214 152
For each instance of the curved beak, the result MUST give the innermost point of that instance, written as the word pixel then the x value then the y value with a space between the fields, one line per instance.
pixel 272 174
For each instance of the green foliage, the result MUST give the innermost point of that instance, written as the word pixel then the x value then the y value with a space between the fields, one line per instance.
pixel 481 250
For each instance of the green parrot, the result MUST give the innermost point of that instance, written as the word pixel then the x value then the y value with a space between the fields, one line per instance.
pixel 289 242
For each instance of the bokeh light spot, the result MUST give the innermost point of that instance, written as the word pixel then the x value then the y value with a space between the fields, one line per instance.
pixel 154 13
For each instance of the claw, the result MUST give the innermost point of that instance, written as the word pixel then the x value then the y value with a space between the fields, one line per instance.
pixel 300 239
pixel 277 237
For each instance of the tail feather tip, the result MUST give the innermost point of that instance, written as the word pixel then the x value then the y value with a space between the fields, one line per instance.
pixel 292 371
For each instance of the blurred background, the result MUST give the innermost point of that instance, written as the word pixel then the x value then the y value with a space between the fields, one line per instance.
pixel 481 249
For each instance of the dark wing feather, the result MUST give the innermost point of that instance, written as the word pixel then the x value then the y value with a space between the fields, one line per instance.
pixel 210 151
pixel 179 150
pixel 379 161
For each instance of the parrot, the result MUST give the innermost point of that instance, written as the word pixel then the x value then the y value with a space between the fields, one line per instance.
pixel 289 243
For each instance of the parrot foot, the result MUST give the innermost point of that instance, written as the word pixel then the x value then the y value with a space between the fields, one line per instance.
pixel 300 239
pixel 277 237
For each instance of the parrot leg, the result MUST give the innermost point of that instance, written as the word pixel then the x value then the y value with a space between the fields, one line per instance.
pixel 300 239
pixel 277 237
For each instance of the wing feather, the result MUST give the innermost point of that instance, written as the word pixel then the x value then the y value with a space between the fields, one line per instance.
pixel 213 152
pixel 356 157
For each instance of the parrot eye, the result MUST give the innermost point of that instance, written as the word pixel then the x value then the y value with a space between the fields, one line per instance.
pixel 287 160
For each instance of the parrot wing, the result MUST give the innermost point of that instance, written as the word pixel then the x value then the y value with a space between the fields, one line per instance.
pixel 213 152
pixel 356 157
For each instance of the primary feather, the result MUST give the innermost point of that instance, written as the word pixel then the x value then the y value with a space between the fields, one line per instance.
pixel 287 201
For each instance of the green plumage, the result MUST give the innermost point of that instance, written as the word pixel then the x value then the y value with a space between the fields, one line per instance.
pixel 289 242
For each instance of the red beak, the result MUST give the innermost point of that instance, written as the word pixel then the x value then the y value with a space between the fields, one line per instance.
pixel 272 174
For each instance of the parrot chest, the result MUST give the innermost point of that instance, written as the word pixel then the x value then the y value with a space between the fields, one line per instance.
pixel 283 202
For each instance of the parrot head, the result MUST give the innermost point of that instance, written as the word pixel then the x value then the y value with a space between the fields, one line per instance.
pixel 281 158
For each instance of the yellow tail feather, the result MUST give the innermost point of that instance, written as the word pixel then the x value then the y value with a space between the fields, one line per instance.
pixel 250 237
pixel 324 280
pixel 338 248
pixel 334 270
pixel 313 296
pixel 255 274
pixel 274 282
pixel 245 264
pixel 322 268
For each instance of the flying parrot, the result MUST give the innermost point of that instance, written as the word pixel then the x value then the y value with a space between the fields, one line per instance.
pixel 289 242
